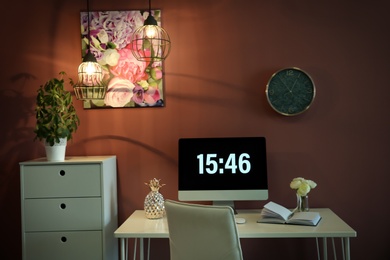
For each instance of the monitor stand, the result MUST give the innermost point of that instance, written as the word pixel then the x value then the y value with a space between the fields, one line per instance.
pixel 229 203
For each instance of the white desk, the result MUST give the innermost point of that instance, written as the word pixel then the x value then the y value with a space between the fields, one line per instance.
pixel 330 226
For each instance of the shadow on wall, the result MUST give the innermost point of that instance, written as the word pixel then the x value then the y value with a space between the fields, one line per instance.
pixel 17 110
pixel 127 140
pixel 250 93
pixel 15 134
pixel 214 91
pixel 16 140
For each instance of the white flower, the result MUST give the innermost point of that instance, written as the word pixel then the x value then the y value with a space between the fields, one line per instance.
pixel 302 186
pixel 103 36
pixel 303 189
pixel 312 184
pixel 110 57
pixel 296 182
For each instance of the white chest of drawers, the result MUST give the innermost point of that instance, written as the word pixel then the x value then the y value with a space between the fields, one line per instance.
pixel 69 209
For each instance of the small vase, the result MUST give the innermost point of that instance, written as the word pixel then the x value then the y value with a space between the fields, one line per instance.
pixel 56 153
pixel 154 201
pixel 303 203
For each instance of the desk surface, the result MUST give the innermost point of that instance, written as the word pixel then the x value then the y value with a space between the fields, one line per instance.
pixel 138 226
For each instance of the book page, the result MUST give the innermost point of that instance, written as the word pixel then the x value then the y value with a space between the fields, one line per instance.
pixel 274 220
pixel 272 209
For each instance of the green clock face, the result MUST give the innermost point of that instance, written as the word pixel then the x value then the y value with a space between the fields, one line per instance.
pixel 290 91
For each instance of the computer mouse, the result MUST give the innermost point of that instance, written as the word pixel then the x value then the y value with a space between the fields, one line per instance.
pixel 240 220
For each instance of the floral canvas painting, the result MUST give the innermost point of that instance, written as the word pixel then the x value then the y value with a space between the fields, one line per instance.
pixel 130 83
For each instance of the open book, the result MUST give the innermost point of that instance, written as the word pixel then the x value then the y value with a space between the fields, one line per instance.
pixel 275 213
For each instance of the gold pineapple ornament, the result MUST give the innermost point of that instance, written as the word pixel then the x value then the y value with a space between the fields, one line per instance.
pixel 154 201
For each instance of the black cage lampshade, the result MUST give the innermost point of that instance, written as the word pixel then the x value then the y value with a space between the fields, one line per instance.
pixel 150 42
pixel 90 75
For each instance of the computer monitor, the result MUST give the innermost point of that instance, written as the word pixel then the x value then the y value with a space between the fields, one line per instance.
pixel 222 170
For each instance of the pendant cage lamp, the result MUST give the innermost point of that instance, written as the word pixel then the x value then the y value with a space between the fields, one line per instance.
pixel 150 42
pixel 90 74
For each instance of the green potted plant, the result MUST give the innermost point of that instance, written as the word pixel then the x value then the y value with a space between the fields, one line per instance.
pixel 56 117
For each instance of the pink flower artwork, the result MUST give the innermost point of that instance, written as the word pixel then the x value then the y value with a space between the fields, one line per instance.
pixel 130 83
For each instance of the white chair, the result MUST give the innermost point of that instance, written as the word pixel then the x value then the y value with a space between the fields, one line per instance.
pixel 202 232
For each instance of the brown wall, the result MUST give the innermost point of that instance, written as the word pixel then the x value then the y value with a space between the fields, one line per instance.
pixel 223 53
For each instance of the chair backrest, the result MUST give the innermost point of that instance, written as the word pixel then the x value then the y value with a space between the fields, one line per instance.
pixel 202 232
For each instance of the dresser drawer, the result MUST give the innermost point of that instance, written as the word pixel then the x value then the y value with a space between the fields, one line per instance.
pixel 69 208
pixel 62 214
pixel 63 245
pixel 61 180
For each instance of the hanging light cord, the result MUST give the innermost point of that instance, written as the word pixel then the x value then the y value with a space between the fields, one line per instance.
pixel 89 31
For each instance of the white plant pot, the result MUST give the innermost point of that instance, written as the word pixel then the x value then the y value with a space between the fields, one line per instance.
pixel 56 153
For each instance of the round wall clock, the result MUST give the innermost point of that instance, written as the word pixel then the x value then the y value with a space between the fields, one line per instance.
pixel 290 91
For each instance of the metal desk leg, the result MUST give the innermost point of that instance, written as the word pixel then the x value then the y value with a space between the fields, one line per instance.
pixel 141 249
pixel 325 248
pixel 148 248
pixel 123 242
pixel 346 248
pixel 318 249
pixel 135 249
pixel 334 249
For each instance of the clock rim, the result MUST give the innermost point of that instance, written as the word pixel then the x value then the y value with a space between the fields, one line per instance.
pixel 296 69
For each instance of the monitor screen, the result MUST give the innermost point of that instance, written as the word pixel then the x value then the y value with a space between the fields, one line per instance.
pixel 222 170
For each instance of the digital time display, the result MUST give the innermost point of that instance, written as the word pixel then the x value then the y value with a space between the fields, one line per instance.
pixel 211 163
pixel 235 163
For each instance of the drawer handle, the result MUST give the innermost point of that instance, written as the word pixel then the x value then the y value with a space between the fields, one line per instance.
pixel 63 239
pixel 62 205
pixel 62 173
